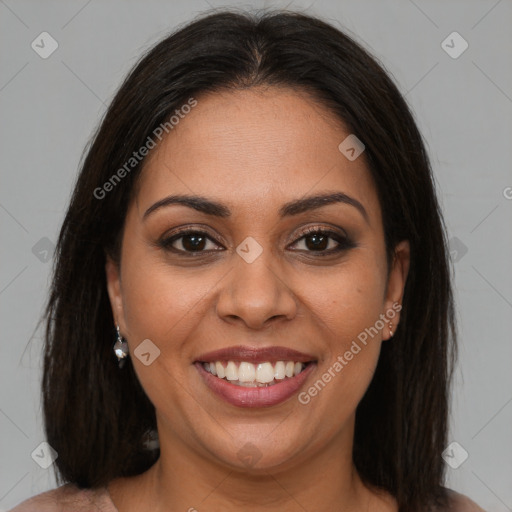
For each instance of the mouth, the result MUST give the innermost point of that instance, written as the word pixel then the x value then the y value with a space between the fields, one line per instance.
pixel 248 377
pixel 246 374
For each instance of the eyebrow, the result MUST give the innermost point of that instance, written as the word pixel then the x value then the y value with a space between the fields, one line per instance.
pixel 295 207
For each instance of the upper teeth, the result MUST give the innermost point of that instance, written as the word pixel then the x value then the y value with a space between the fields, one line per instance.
pixel 262 373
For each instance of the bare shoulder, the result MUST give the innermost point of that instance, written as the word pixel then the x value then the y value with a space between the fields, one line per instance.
pixel 461 503
pixel 67 497
pixel 51 500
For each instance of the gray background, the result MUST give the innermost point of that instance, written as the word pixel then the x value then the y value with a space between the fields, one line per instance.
pixel 50 107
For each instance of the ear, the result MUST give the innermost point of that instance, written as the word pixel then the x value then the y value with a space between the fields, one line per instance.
pixel 113 275
pixel 396 285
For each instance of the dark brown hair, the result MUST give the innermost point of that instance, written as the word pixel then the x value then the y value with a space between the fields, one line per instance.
pixel 96 414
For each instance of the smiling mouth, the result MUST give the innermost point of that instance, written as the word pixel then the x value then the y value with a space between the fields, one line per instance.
pixel 257 375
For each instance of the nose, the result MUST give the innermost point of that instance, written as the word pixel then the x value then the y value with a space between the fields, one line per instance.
pixel 255 293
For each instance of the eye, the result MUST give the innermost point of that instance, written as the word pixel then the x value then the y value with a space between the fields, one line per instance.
pixel 323 241
pixel 189 241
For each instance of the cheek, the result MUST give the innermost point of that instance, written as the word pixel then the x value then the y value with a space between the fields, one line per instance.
pixel 347 299
pixel 160 302
pixel 163 305
pixel 346 307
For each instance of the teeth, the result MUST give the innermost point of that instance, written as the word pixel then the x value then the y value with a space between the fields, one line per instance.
pixel 279 370
pixel 219 369
pixel 264 373
pixel 246 372
pixel 231 371
pixel 252 375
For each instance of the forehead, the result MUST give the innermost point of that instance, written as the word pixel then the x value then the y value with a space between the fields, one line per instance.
pixel 253 148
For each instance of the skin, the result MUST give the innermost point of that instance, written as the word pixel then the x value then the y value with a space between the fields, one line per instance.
pixel 253 151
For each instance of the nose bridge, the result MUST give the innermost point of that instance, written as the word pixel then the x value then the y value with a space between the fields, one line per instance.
pixel 254 291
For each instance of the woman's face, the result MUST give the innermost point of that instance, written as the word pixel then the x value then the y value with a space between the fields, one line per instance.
pixel 254 278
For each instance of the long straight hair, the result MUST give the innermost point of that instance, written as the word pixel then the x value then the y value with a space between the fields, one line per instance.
pixel 95 415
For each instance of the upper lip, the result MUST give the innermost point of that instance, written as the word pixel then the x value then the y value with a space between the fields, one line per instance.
pixel 255 355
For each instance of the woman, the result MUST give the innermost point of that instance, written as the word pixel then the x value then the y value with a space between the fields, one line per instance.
pixel 255 238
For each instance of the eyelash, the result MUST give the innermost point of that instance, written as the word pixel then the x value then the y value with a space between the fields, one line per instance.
pixel 343 241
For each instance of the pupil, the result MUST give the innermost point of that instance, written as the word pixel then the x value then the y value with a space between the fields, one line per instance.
pixel 319 242
pixel 196 242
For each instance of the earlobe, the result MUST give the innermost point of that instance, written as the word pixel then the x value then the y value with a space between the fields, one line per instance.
pixel 396 286
pixel 113 279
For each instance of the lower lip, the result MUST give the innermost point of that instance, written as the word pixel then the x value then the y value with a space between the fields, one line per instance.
pixel 258 396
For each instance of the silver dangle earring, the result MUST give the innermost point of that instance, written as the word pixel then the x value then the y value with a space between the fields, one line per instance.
pixel 150 440
pixel 120 348
pixel 390 331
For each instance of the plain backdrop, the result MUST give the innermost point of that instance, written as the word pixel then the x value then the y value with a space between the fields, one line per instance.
pixel 462 103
